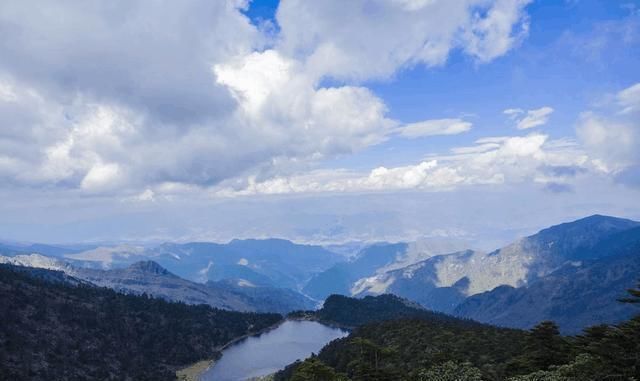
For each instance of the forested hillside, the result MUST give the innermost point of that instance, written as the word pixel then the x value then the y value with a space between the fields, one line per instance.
pixel 56 331
pixel 456 350
pixel 351 312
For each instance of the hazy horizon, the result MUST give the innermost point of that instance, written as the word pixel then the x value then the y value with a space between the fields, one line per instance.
pixel 316 121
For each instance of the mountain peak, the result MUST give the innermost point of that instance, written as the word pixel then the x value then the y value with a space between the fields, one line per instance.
pixel 149 267
pixel 593 224
pixel 597 219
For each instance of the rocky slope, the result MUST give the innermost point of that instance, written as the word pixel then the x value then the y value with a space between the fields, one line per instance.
pixel 379 258
pixel 577 295
pixel 442 282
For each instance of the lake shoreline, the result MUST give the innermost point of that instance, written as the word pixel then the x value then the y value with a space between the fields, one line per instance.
pixel 194 371
pixel 255 358
pixel 328 323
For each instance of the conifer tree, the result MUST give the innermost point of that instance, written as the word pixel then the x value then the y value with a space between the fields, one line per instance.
pixel 545 346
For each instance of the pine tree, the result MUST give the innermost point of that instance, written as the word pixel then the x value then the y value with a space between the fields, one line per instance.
pixel 451 371
pixel 545 346
pixel 314 370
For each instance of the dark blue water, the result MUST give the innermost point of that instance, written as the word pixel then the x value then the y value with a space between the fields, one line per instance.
pixel 271 351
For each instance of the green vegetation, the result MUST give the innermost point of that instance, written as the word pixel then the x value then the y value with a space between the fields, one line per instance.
pixel 57 331
pixel 429 348
pixel 350 313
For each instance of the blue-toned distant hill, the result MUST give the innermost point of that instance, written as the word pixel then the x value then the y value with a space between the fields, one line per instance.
pixel 272 262
pixel 421 282
pixel 49 250
pixel 577 295
pixel 339 278
pixel 148 277
pixel 342 278
pixel 265 298
pixel 579 250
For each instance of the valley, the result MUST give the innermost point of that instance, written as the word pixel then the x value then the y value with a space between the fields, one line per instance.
pixel 571 274
pixel 320 190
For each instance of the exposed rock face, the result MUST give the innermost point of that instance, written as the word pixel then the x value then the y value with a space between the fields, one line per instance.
pixel 577 295
pixel 379 258
pixel 442 282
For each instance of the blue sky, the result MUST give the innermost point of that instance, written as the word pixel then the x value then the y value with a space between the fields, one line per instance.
pixel 548 68
pixel 316 121
pixel 550 64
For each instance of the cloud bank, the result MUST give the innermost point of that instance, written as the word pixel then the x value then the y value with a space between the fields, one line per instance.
pixel 121 97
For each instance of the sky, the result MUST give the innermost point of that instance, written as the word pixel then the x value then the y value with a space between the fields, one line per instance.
pixel 324 121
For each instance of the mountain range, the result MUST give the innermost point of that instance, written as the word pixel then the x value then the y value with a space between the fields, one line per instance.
pixel 273 262
pixel 582 264
pixel 148 277
pixel 576 295
pixel 570 273
pixel 375 259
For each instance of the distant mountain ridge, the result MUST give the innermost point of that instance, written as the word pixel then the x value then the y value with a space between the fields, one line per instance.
pixel 273 262
pixel 577 295
pixel 148 277
pixel 581 261
pixel 342 278
pixel 443 282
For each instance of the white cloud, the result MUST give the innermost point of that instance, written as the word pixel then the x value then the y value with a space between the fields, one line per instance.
pixel 529 119
pixel 368 39
pixel 613 143
pixel 192 94
pixel 513 112
pixel 147 195
pixel 515 159
pixel 535 118
pixel 256 77
pixel 7 94
pixel 435 127
pixel 478 148
pixel 101 176
pixel 243 262
pixel 277 98
pixel 629 99
pixel 612 136
pixel 492 35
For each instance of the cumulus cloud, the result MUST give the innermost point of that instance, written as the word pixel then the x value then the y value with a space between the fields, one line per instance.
pixel 614 143
pixel 101 176
pixel 435 127
pixel 364 39
pixel 529 119
pixel 122 97
pixel 612 136
pixel 117 85
pixel 276 96
pixel 514 159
